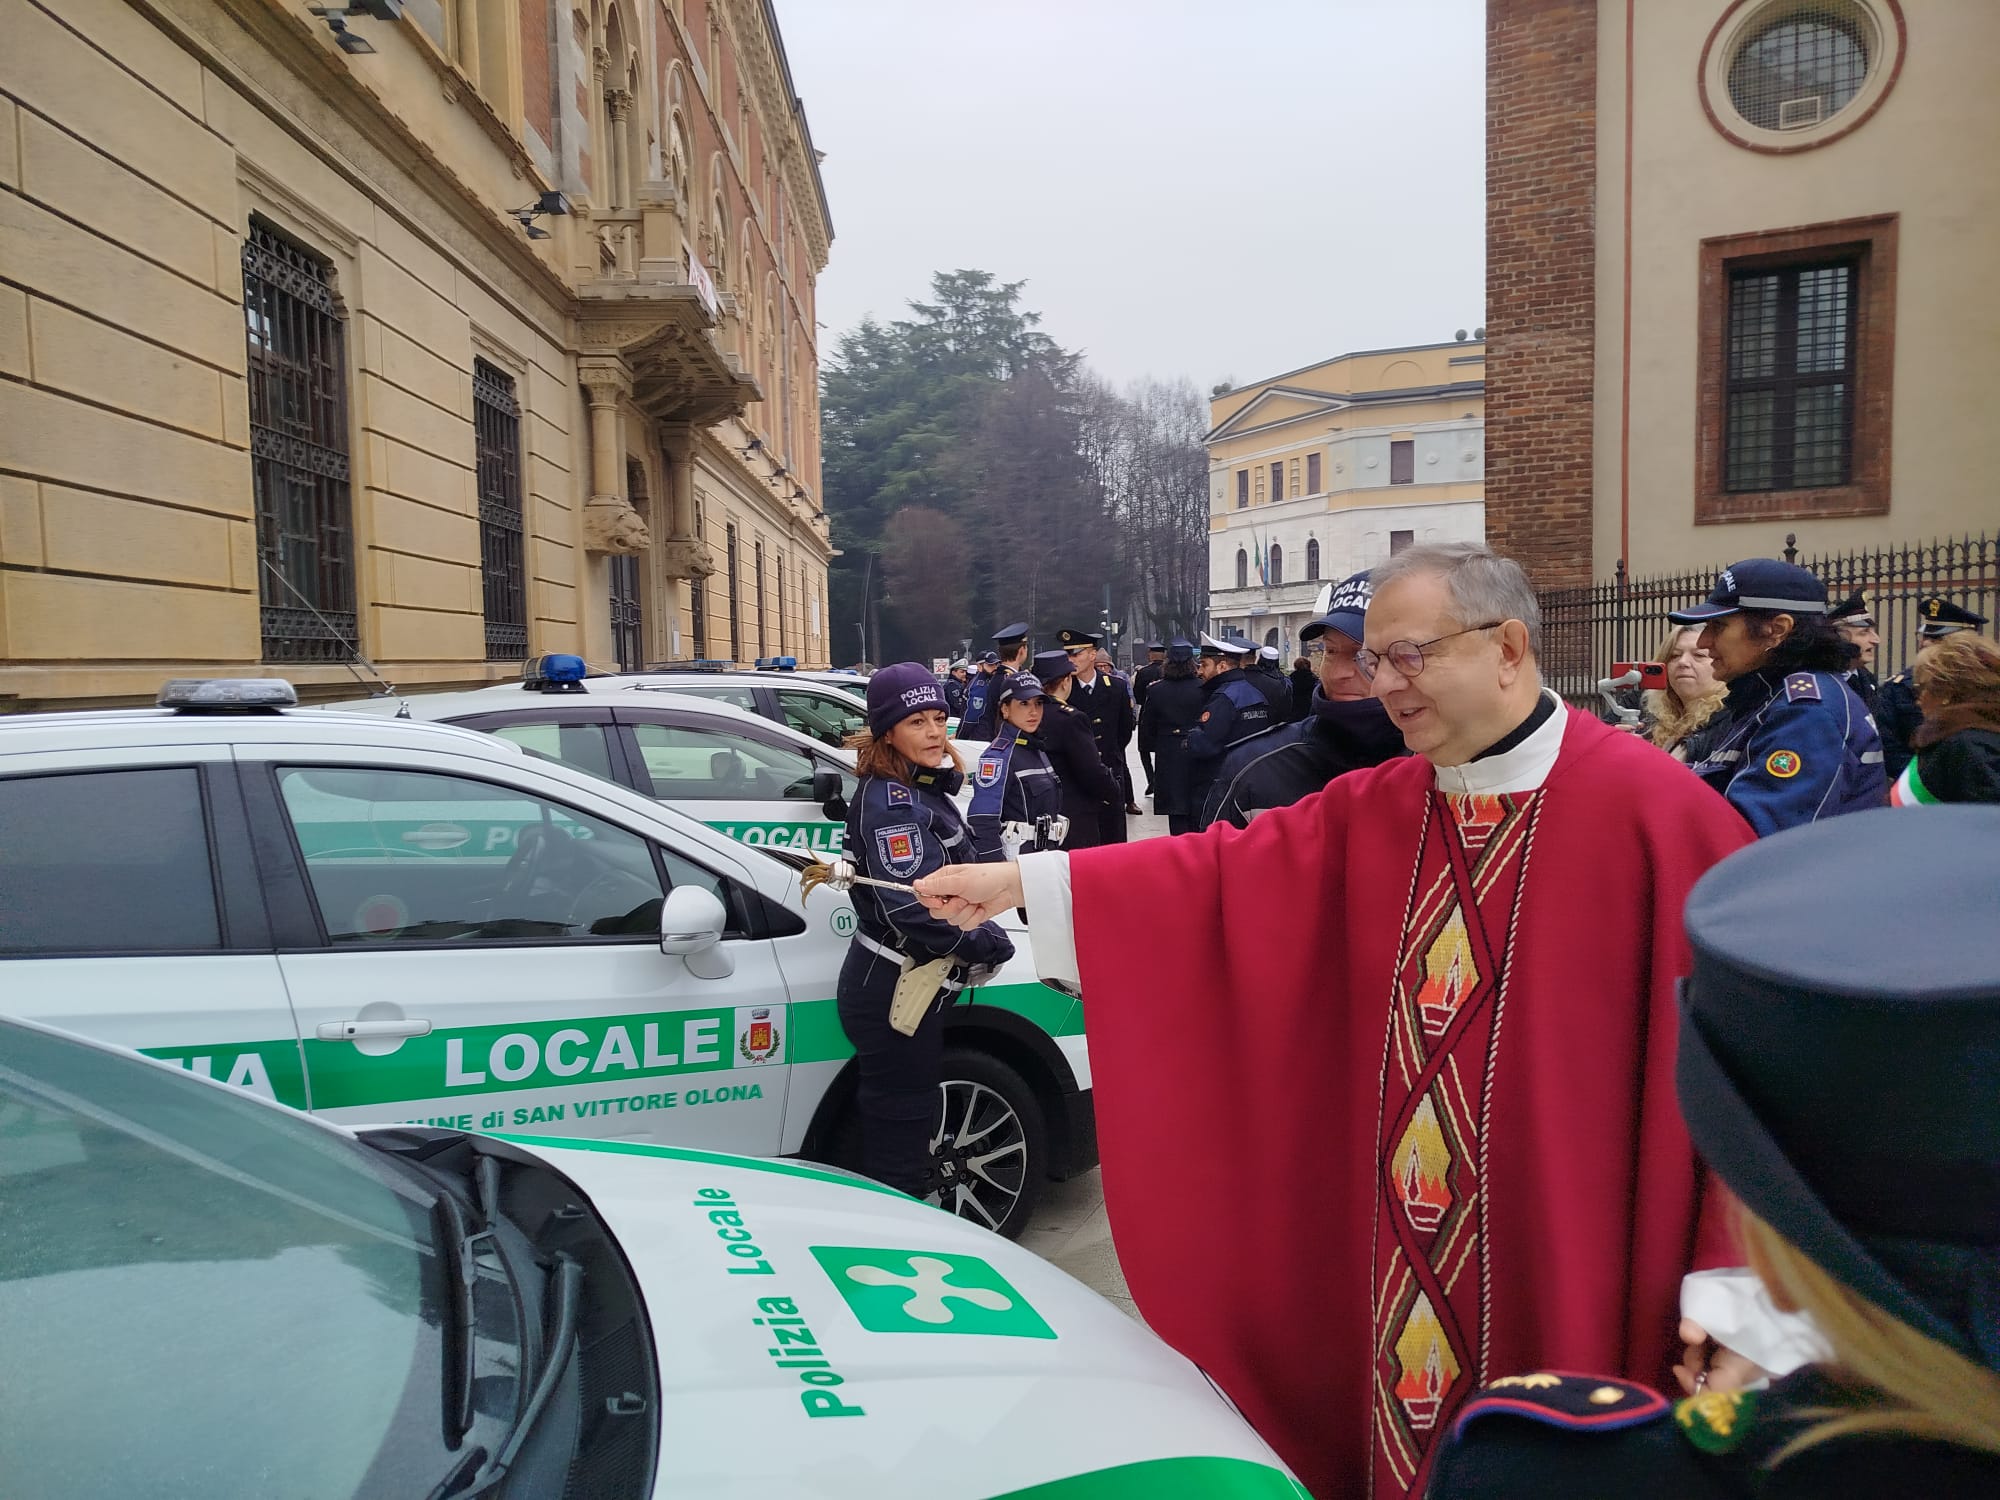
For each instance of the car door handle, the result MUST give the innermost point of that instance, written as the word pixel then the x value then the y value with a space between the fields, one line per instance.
pixel 352 1031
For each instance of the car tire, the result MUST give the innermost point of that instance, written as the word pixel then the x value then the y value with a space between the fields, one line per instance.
pixel 1001 1195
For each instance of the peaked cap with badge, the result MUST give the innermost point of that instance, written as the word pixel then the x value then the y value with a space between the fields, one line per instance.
pixel 1076 640
pixel 1937 616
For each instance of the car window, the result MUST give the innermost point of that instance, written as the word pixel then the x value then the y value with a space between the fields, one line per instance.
pixel 827 718
pixel 412 856
pixel 106 862
pixel 720 692
pixel 693 764
pixel 582 747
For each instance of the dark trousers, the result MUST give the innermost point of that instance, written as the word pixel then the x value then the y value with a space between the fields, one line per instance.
pixel 1176 823
pixel 897 1090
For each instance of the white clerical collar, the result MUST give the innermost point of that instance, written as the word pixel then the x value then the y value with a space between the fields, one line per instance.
pixel 1521 769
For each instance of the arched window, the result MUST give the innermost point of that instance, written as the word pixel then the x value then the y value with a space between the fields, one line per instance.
pixel 1242 569
pixel 1274 565
pixel 1271 636
pixel 1312 561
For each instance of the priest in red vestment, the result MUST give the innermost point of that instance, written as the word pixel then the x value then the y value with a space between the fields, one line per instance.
pixel 1356 1178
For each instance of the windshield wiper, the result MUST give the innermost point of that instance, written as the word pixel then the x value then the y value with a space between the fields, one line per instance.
pixel 454 1246
pixel 569 1299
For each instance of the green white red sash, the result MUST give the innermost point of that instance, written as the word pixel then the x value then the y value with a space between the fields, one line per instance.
pixel 1910 791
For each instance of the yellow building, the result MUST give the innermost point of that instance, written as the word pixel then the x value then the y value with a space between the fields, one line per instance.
pixel 438 340
pixel 1324 471
pixel 1739 278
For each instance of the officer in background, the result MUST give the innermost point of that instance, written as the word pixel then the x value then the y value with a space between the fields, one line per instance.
pixel 1173 707
pixel 902 824
pixel 981 720
pixel 1016 794
pixel 1851 618
pixel 1232 711
pixel 1896 712
pixel 1845 1096
pixel 1106 702
pixel 957 683
pixel 1262 670
pixel 1799 745
pixel 1092 800
pixel 1146 676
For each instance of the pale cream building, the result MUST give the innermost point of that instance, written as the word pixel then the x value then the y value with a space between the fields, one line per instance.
pixel 439 341
pixel 1318 473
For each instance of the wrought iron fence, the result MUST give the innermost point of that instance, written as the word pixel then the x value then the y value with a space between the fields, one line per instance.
pixel 1585 630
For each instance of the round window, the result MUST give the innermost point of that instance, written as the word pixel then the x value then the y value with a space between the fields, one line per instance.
pixel 1786 75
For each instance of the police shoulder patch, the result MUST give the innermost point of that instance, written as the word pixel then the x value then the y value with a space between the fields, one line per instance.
pixel 1802 687
pixel 900 794
pixel 1577 1403
pixel 1716 1421
pixel 900 848
pixel 1783 764
pixel 990 767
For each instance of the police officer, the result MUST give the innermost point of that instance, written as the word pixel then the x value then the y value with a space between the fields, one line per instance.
pixel 1015 786
pixel 1150 673
pixel 1232 711
pixel 1105 701
pixel 1896 712
pixel 1173 707
pixel 1091 796
pixel 1800 745
pixel 1857 627
pixel 981 719
pixel 1262 670
pixel 1845 1096
pixel 957 683
pixel 903 824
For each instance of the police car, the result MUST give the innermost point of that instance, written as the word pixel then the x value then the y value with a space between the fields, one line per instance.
pixel 734 766
pixel 208 1295
pixel 390 921
pixel 826 711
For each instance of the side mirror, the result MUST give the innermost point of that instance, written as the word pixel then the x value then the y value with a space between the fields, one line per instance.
pixel 826 792
pixel 691 923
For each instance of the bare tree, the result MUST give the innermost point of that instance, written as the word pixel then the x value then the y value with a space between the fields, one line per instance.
pixel 924 562
pixel 1158 492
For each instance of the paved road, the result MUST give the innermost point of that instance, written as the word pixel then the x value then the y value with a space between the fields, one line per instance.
pixel 1069 1229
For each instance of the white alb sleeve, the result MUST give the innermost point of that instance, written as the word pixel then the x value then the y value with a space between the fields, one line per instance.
pixel 1051 915
pixel 1737 1311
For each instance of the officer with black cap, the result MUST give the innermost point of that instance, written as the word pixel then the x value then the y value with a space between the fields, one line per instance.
pixel 1266 678
pixel 957 683
pixel 1799 745
pixel 1105 700
pixel 1896 712
pixel 1173 707
pixel 1847 1098
pixel 1231 713
pixel 1146 676
pixel 1016 793
pixel 1091 795
pixel 981 720
pixel 1852 619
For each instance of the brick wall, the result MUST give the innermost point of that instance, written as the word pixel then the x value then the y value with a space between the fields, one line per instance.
pixel 537 93
pixel 1541 189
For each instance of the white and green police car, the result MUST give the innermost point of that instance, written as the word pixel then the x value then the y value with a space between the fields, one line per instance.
pixel 738 767
pixel 207 1295
pixel 389 921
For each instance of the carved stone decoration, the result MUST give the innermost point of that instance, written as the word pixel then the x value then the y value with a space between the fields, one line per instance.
pixel 684 557
pixel 611 525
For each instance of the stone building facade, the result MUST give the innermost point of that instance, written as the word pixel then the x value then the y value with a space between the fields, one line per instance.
pixel 411 347
pixel 1737 288
pixel 1324 471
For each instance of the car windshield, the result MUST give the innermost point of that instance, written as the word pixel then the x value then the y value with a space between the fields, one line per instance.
pixel 201 1295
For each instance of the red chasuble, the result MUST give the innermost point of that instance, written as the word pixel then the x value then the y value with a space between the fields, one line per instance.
pixel 1385 1093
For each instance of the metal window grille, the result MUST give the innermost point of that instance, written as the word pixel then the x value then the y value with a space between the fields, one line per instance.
pixel 1789 419
pixel 781 606
pixel 763 644
pixel 628 614
pixel 1242 488
pixel 496 425
pixel 1802 68
pixel 698 593
pixel 735 599
pixel 298 450
pixel 1312 562
pixel 1277 481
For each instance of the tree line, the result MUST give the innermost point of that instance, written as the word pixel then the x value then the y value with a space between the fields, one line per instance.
pixel 974 469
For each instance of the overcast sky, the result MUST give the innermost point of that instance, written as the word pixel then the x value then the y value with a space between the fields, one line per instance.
pixel 1188 188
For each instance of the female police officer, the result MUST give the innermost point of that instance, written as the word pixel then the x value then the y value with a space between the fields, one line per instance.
pixel 1846 1096
pixel 1015 782
pixel 903 824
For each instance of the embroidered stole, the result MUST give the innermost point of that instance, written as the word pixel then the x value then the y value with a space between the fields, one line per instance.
pixel 1431 1266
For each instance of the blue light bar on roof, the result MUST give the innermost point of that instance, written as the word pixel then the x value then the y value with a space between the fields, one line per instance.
pixel 553 674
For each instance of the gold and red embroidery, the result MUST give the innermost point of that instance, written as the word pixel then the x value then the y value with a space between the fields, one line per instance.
pixel 1444 1028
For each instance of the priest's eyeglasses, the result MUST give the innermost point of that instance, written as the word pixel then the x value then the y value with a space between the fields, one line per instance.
pixel 1407 657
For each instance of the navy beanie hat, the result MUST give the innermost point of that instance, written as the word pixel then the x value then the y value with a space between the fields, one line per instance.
pixel 894 693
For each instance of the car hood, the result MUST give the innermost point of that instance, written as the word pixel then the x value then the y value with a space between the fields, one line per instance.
pixel 821 1335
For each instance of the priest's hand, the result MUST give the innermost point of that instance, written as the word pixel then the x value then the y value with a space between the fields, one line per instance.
pixel 1708 1366
pixel 966 895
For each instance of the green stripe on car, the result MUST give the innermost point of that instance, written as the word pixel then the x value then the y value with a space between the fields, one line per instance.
pixel 1171 1479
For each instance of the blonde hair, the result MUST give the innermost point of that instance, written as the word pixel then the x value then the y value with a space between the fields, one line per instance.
pixel 1921 1388
pixel 1673 720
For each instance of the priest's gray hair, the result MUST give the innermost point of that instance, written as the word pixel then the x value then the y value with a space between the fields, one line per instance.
pixel 1481 583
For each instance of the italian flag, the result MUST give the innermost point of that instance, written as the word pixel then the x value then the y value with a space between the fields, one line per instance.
pixel 1910 791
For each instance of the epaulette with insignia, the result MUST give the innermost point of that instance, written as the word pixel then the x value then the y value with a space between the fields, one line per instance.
pixel 1577 1403
pixel 1716 1421
pixel 1802 686
pixel 898 792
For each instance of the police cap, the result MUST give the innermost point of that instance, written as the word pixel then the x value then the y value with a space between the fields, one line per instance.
pixel 1075 640
pixel 1020 687
pixel 1939 616
pixel 1011 635
pixel 1758 583
pixel 1180 649
pixel 1853 610
pixel 1053 666
pixel 1842 1091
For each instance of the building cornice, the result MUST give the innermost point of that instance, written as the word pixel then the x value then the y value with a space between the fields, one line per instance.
pixel 1334 401
pixel 760 53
